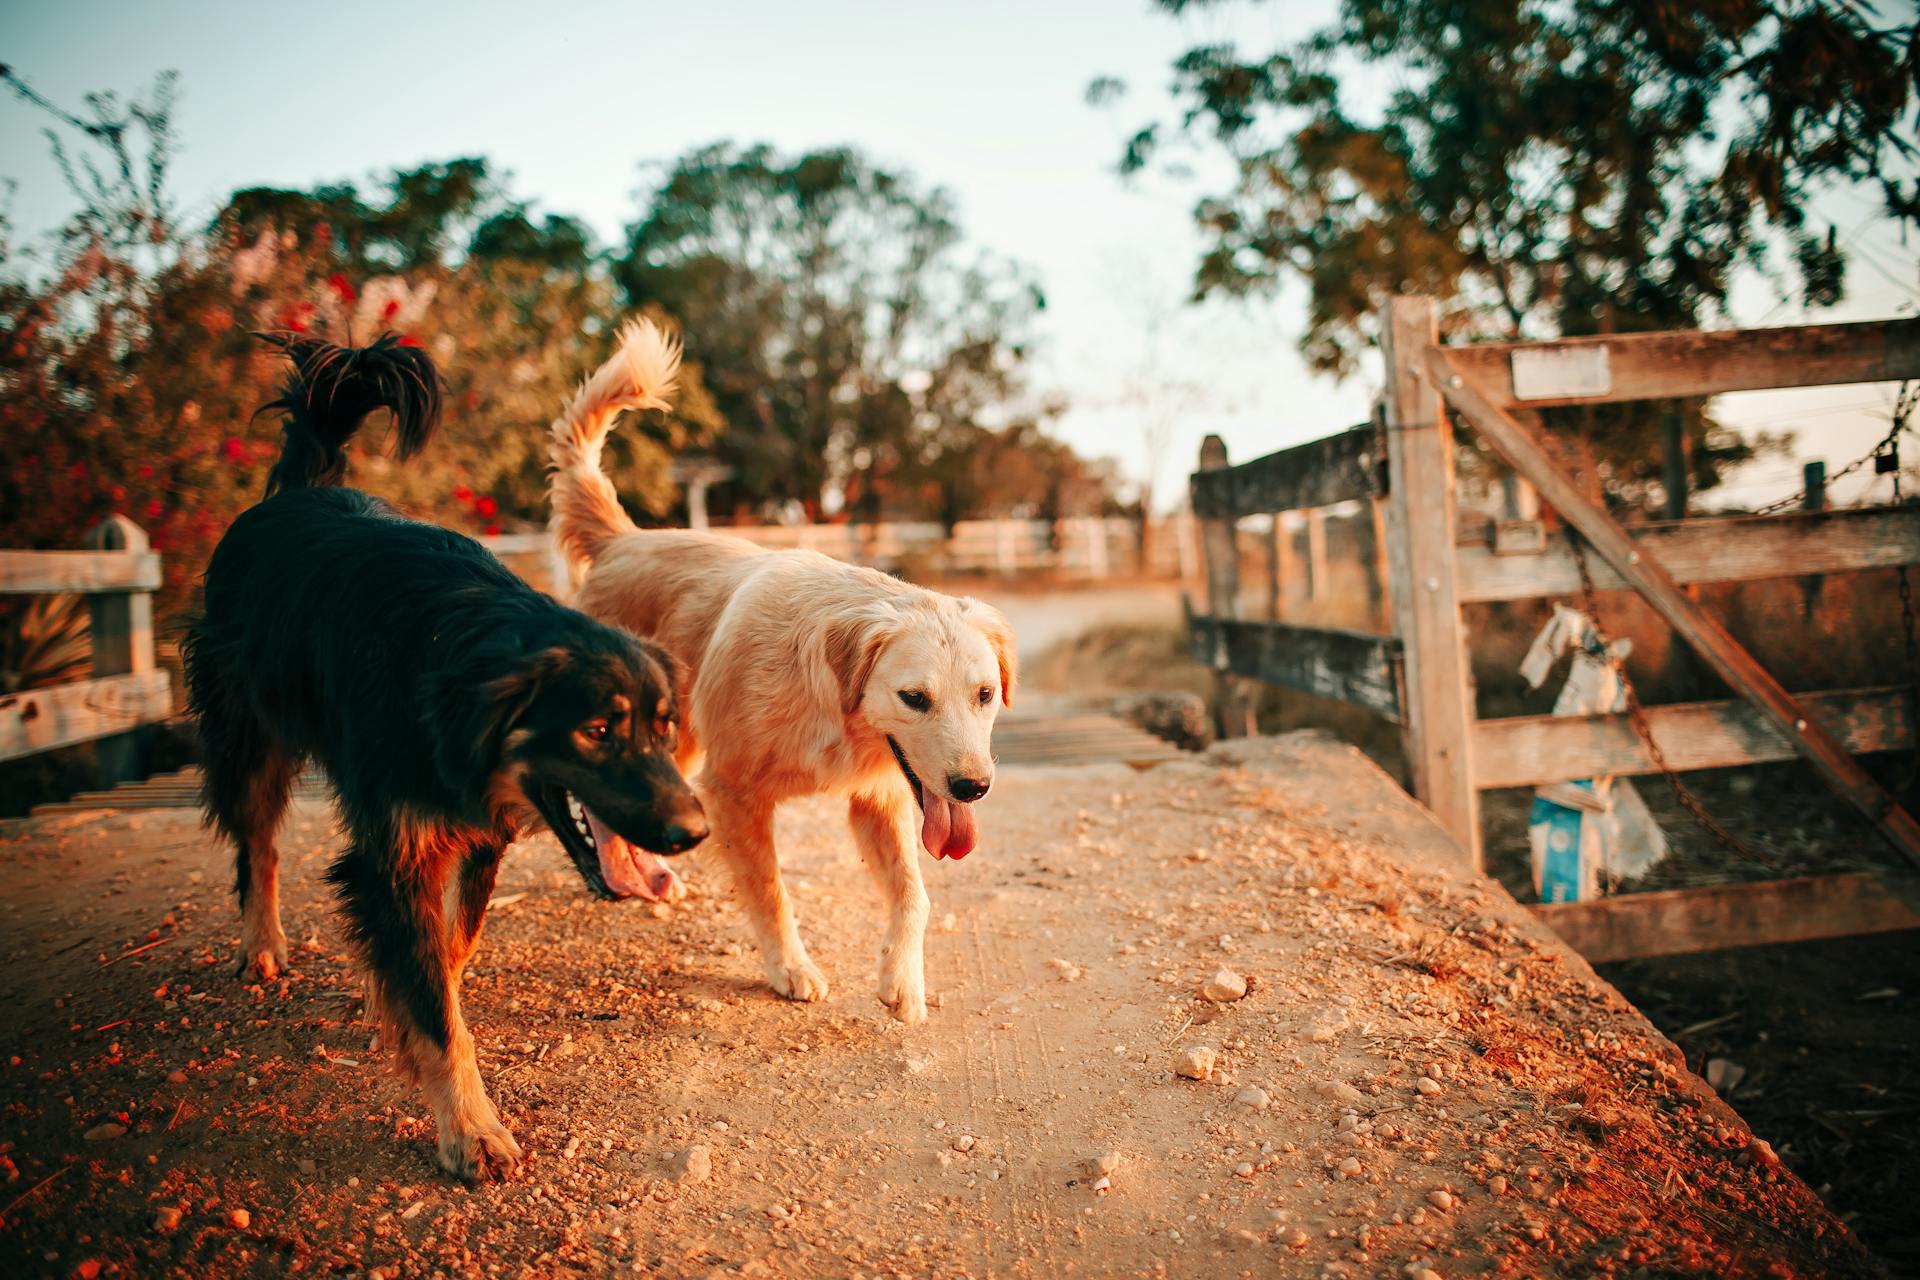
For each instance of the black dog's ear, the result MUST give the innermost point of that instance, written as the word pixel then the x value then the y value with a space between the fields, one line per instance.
pixel 477 722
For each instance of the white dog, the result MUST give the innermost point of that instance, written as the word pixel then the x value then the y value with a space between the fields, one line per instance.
pixel 802 674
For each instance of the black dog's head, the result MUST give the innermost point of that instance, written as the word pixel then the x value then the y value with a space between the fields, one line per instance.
pixel 587 737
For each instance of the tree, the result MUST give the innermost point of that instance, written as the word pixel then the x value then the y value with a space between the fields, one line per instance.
pixel 835 308
pixel 131 375
pixel 1546 169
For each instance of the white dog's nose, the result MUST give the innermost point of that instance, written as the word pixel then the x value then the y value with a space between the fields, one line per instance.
pixel 967 790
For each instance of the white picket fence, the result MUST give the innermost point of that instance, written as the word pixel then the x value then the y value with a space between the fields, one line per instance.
pixel 1077 549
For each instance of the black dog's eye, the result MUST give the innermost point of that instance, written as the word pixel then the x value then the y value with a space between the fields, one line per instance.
pixel 595 732
pixel 663 727
pixel 986 694
pixel 915 699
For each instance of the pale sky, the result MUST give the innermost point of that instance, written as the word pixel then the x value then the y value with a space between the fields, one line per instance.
pixel 985 99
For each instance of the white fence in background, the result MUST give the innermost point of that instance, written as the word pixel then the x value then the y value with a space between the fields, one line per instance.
pixel 1076 549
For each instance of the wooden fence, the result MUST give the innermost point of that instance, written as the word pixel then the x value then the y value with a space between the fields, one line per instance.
pixel 117 574
pixel 1420 676
pixel 1075 549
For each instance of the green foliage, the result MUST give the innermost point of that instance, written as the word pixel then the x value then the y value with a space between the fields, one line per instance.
pixel 842 321
pixel 1546 169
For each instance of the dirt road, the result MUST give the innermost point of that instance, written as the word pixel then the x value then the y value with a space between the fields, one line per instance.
pixel 163 1118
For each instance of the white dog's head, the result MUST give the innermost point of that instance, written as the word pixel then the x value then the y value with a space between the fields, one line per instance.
pixel 931 674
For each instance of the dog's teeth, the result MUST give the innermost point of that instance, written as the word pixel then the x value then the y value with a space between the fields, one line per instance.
pixel 574 808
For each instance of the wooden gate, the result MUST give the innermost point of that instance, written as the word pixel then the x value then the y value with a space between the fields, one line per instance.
pixel 1452 754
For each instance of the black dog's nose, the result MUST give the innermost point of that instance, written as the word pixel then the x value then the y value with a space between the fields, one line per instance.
pixel 682 838
pixel 967 790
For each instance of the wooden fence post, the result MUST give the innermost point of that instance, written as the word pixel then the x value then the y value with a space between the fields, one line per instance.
pixel 122 635
pixel 1276 560
pixel 1220 553
pixel 1318 588
pixel 1438 699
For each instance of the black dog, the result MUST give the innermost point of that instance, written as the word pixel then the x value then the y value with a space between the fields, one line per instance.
pixel 449 702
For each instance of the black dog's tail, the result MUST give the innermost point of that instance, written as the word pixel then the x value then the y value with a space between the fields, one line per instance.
pixel 333 388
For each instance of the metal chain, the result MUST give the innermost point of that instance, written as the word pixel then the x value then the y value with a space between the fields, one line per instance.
pixel 1637 717
pixel 1903 406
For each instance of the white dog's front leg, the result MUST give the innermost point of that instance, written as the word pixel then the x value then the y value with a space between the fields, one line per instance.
pixel 743 838
pixel 883 829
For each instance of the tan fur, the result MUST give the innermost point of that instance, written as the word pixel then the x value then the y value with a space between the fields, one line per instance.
pixel 792 664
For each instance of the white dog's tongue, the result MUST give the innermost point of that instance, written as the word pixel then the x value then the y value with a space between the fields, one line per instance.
pixel 629 870
pixel 947 830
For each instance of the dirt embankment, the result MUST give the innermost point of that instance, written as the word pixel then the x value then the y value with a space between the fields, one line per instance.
pixel 1417 1081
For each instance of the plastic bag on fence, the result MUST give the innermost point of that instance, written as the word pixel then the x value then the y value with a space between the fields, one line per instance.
pixel 1583 830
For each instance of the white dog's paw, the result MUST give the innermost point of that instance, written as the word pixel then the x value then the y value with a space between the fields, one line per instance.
pixel 906 999
pixel 797 979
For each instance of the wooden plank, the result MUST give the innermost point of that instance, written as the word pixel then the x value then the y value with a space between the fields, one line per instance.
pixel 1318 588
pixel 1730 549
pixel 1677 921
pixel 37 573
pixel 1220 548
pixel 64 714
pixel 1526 751
pixel 121 631
pixel 1438 697
pixel 1348 666
pixel 1337 468
pixel 1712 641
pixel 1653 366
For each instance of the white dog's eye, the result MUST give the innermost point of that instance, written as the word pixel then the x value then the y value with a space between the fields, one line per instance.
pixel 915 699
pixel 986 694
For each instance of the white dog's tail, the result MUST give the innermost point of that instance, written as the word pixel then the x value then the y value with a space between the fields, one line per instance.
pixel 586 509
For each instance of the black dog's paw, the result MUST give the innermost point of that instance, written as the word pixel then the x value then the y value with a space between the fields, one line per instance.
pixel 485 1154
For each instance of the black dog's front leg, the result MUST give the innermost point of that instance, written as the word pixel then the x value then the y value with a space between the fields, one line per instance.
pixel 416 896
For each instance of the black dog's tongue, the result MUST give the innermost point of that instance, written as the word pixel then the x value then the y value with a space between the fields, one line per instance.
pixel 629 870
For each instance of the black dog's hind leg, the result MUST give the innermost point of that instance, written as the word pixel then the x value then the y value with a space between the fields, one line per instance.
pixel 247 784
pixel 416 898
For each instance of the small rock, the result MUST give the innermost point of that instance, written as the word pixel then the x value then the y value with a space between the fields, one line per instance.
pixel 1326 1026
pixel 1243 1170
pixel 239 1219
pixel 1103 1164
pixel 1497 1184
pixel 1339 1091
pixel 1196 1063
pixel 963 1143
pixel 1225 985
pixel 106 1132
pixel 87 1270
pixel 572 1148
pixel 695 1164
pixel 1439 1199
pixel 1297 1239
pixel 1762 1152
pixel 176 1077
pixel 1423 1273
pixel 168 1219
pixel 308 1166
pixel 1065 968
pixel 1101 1184
pixel 1428 1087
pixel 1349 1168
pixel 1253 1096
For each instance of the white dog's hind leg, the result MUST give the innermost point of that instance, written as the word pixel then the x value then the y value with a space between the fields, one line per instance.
pixel 883 829
pixel 743 837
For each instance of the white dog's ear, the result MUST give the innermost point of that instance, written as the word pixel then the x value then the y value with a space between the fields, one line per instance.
pixel 854 642
pixel 993 624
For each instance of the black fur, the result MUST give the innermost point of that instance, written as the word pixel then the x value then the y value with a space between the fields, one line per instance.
pixel 446 699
